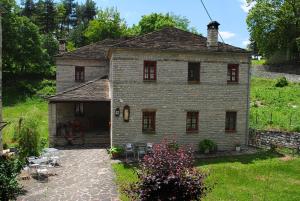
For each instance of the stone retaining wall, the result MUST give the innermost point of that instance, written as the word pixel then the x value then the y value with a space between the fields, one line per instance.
pixel 266 138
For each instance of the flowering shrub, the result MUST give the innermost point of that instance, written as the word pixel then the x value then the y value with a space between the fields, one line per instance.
pixel 168 174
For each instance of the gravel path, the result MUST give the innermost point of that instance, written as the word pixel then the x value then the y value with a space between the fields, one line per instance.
pixel 84 175
pixel 263 73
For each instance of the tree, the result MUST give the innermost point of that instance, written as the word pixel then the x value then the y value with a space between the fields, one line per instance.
pixel 274 25
pixel 70 15
pixel 29 8
pixel 22 47
pixel 107 24
pixel 156 21
pixel 49 16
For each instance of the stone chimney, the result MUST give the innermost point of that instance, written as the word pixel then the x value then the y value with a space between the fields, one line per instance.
pixel 62 46
pixel 212 34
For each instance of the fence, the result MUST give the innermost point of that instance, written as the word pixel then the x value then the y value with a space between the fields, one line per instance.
pixel 276 120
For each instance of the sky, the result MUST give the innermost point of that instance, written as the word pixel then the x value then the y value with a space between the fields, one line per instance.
pixel 231 14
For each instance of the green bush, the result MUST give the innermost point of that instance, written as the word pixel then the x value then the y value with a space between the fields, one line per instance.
pixel 46 88
pixel 28 137
pixel 209 145
pixel 9 170
pixel 281 82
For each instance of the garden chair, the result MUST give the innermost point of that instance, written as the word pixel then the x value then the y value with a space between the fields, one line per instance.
pixel 141 150
pixel 149 147
pixel 42 170
pixel 129 149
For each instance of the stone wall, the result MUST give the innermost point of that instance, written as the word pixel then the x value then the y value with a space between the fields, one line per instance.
pixel 172 96
pixel 65 73
pixel 266 138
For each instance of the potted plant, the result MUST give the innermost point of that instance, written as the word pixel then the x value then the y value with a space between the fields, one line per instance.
pixel 238 146
pixel 207 146
pixel 116 151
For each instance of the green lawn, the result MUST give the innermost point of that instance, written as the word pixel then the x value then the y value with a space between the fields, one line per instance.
pixel 31 108
pixel 262 176
pixel 273 107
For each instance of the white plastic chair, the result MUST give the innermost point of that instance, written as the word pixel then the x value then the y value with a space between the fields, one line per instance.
pixel 129 149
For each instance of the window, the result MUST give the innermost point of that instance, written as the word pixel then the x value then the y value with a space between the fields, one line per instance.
pixel 192 121
pixel 233 73
pixel 79 74
pixel 149 70
pixel 230 124
pixel 79 111
pixel 194 72
pixel 148 121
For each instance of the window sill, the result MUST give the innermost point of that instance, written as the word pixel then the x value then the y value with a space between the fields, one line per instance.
pixel 79 81
pixel 149 81
pixel 192 132
pixel 149 132
pixel 193 82
pixel 232 83
pixel 230 131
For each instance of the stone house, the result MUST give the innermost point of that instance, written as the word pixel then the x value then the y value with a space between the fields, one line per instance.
pixel 165 84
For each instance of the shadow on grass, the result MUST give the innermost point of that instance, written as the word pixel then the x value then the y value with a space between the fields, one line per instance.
pixel 244 159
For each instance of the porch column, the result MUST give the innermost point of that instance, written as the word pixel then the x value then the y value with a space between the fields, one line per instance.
pixel 52 123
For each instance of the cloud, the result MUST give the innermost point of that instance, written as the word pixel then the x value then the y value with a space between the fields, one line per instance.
pixel 227 34
pixel 246 6
pixel 245 43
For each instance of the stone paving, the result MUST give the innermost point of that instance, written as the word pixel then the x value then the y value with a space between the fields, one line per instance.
pixel 84 175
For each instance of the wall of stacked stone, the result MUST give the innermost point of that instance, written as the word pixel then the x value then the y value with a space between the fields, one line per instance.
pixel 266 138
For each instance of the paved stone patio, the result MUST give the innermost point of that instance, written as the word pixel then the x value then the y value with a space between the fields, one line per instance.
pixel 84 175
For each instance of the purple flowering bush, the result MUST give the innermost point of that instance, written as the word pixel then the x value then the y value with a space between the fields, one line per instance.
pixel 168 174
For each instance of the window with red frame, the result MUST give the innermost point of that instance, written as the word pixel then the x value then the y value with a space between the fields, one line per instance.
pixel 192 121
pixel 230 124
pixel 79 74
pixel 150 70
pixel 233 73
pixel 148 121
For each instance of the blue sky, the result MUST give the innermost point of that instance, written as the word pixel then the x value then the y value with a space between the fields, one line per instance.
pixel 231 14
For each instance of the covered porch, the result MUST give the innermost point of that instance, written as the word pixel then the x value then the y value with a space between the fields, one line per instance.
pixel 81 115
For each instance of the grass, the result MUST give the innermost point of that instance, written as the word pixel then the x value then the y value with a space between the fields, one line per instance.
pixel 258 62
pixel 274 108
pixel 262 176
pixel 22 99
pixel 31 108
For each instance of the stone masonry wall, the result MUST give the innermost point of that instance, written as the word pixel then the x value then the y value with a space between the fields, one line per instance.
pixel 65 73
pixel 266 138
pixel 172 96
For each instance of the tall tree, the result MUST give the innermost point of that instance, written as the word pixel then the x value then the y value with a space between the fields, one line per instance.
pixel 50 15
pixel 107 24
pixel 274 25
pixel 157 21
pixel 29 8
pixel 22 47
pixel 70 14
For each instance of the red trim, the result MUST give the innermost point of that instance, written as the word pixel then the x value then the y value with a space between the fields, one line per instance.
pixel 149 116
pixel 190 116
pixel 230 69
pixel 147 70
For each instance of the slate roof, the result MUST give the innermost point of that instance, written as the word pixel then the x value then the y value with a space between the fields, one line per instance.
pixel 95 90
pixel 173 39
pixel 96 50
